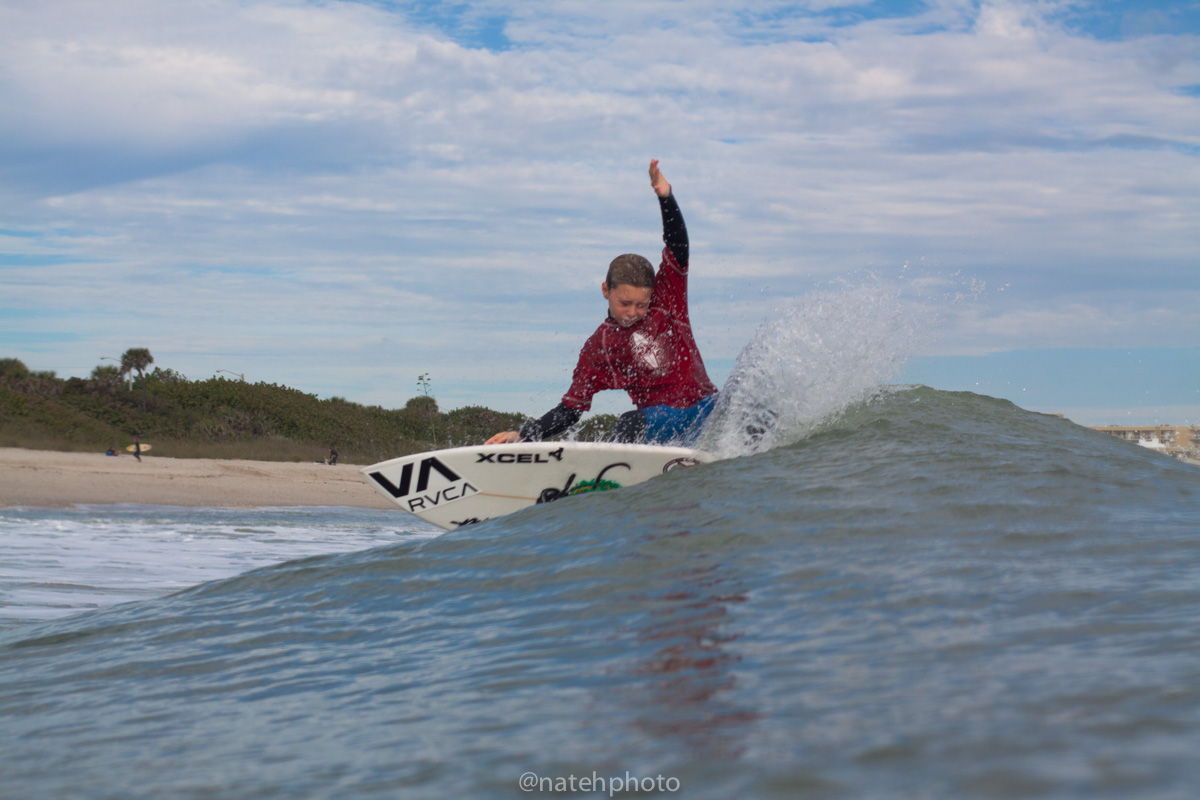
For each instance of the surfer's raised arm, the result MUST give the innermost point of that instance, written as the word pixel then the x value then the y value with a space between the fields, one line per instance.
pixel 644 346
pixel 657 182
pixel 675 235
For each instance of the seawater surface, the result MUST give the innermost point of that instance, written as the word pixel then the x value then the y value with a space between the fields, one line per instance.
pixel 58 562
pixel 935 595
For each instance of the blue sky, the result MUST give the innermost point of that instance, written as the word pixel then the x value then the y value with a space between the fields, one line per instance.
pixel 341 196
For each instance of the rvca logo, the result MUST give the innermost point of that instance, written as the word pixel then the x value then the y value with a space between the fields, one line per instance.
pixel 421 498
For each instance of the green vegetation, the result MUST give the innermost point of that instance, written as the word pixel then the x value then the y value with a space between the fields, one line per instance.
pixel 220 418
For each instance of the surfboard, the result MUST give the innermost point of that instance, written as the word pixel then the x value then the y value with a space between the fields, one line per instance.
pixel 467 485
pixel 133 448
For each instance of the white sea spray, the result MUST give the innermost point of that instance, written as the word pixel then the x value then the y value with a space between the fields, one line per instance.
pixel 810 362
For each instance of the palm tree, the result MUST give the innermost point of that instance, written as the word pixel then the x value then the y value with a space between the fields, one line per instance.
pixel 136 359
pixel 106 377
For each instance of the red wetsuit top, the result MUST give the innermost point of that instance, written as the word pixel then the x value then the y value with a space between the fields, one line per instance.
pixel 655 360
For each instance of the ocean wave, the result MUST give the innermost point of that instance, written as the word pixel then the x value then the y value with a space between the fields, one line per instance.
pixel 933 590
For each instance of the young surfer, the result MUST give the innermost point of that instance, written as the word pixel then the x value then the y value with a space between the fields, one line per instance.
pixel 645 346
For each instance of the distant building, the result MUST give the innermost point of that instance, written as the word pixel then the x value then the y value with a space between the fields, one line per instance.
pixel 1180 441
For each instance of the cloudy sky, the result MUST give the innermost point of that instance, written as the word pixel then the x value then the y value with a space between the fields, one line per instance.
pixel 340 196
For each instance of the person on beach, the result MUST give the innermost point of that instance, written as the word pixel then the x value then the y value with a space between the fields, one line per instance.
pixel 645 346
pixel 137 446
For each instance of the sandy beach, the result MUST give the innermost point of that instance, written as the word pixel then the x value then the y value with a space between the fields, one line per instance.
pixel 51 479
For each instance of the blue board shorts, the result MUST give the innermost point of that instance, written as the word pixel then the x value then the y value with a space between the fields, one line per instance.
pixel 679 426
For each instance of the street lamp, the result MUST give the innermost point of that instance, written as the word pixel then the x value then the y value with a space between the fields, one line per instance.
pixel 110 358
pixel 239 374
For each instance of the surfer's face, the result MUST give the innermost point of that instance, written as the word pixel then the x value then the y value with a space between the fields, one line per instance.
pixel 627 304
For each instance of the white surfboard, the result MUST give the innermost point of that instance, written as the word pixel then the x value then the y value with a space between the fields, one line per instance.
pixel 465 485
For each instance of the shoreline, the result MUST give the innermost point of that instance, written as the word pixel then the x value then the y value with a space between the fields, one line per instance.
pixel 54 479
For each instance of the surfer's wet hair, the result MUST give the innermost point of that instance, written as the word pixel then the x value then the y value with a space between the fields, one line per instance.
pixel 630 269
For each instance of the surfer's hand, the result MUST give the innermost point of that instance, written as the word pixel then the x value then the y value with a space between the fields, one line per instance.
pixel 506 437
pixel 657 181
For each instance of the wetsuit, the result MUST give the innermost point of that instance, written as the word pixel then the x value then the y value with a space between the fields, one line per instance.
pixel 655 360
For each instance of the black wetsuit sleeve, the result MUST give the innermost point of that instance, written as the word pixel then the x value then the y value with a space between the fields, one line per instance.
pixel 554 422
pixel 675 235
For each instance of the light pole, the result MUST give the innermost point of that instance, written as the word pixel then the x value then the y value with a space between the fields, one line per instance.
pixel 110 358
pixel 239 374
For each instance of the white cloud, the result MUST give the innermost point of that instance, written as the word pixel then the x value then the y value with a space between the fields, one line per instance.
pixel 304 178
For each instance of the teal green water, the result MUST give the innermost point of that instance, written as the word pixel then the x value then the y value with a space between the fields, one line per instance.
pixel 941 595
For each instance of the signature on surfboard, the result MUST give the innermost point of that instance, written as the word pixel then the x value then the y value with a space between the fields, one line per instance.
pixel 599 484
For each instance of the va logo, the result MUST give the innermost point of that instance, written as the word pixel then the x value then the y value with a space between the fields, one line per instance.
pixel 420 497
